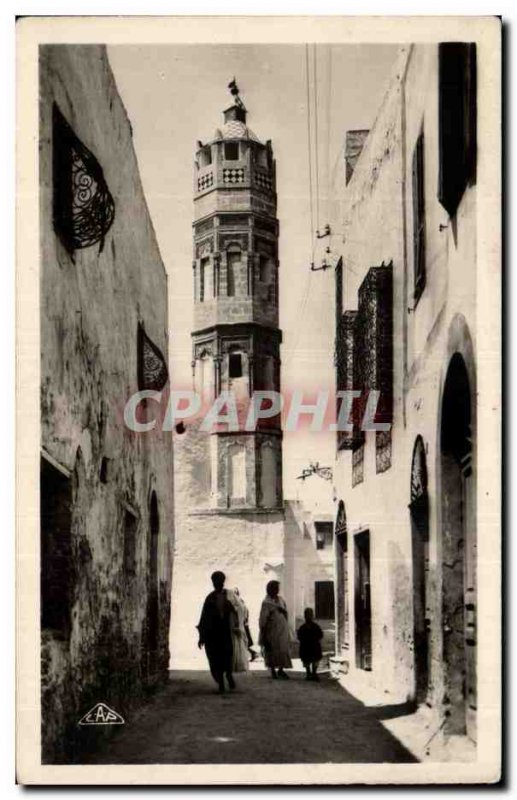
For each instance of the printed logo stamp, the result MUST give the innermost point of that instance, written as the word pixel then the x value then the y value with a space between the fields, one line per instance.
pixel 101 714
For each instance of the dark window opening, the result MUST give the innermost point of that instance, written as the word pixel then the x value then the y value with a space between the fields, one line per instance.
pixel 262 157
pixel 235 365
pixel 203 266
pixel 324 600
pixel 419 218
pixel 263 269
pixel 56 549
pixel 233 260
pixel 457 102
pixel 231 151
pixel 103 472
pixel 130 526
pixel 324 535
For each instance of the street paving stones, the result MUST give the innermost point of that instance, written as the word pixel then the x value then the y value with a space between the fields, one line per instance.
pixel 263 721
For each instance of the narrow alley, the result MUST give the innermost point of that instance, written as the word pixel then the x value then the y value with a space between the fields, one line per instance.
pixel 262 721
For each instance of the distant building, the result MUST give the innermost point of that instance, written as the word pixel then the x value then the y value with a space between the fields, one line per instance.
pixel 229 511
pixel 106 501
pixel 309 559
pixel 406 326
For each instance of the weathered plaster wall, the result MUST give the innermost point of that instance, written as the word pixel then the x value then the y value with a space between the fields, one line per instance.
pixel 447 303
pixel 375 213
pixel 90 308
pixel 372 223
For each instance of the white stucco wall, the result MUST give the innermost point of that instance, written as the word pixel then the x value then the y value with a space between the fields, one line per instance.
pixel 375 215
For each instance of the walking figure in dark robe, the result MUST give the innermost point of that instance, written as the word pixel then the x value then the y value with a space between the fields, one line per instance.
pixel 310 636
pixel 218 619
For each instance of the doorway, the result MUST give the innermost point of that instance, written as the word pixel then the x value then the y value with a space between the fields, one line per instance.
pixel 324 600
pixel 152 617
pixel 56 564
pixel 362 596
pixel 458 552
pixel 341 555
pixel 419 515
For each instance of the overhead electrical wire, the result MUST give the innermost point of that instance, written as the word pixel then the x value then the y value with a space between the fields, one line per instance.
pixel 316 145
pixel 308 279
pixel 329 103
pixel 309 145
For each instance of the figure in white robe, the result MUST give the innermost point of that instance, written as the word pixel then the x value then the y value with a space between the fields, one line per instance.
pixel 274 631
pixel 239 637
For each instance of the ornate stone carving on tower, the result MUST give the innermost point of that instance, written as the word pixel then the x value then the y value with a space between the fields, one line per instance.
pixel 236 339
pixel 228 484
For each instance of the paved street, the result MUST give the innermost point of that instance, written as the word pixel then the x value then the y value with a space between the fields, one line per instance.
pixel 263 721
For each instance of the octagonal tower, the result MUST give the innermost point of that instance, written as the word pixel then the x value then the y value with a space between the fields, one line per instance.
pixel 236 338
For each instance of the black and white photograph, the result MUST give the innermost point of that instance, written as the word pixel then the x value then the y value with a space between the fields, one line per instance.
pixel 259 401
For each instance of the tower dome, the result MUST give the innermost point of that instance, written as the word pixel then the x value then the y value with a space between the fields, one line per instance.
pixel 235 129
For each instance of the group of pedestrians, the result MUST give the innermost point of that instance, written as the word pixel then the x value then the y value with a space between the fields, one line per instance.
pixel 224 633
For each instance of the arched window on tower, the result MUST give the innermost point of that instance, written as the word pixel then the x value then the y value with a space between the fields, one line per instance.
pixel 268 476
pixel 262 157
pixel 238 377
pixel 236 475
pixel 269 373
pixel 205 157
pixel 264 269
pixel 206 283
pixel 205 376
pixel 233 261
pixel 231 151
pixel 267 278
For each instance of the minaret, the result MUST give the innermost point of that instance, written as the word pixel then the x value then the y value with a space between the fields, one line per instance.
pixel 236 339
pixel 229 512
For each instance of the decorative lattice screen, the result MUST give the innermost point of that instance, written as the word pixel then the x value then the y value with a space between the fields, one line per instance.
pixel 83 208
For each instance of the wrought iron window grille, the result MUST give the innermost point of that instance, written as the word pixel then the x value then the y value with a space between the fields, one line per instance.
pixel 83 207
pixel 383 441
pixel 152 368
pixel 358 465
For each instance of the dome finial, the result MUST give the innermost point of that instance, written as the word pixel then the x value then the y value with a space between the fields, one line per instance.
pixel 234 90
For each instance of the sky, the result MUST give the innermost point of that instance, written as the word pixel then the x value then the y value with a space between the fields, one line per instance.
pixel 174 96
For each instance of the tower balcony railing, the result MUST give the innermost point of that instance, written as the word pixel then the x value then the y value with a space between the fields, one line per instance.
pixel 205 179
pixel 233 174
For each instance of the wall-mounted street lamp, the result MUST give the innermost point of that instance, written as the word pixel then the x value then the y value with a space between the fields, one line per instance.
pixel 316 469
pixel 326 232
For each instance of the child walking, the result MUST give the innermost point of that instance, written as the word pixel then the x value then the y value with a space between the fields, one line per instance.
pixel 310 636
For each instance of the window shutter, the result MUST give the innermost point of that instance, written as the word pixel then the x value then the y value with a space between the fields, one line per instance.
pixel 373 353
pixel 339 291
pixel 418 175
pixel 457 121
pixel 345 372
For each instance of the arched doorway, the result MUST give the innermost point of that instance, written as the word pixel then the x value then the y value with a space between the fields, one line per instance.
pixel 341 550
pixel 152 621
pixel 458 551
pixel 419 514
